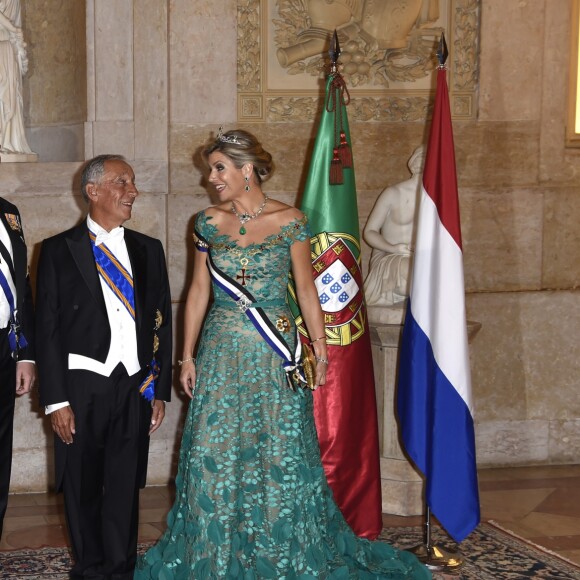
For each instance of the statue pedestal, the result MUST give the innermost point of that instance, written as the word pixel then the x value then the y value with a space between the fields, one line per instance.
pixel 401 483
pixel 393 314
pixel 18 157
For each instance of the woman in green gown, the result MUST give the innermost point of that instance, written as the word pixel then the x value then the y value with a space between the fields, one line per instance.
pixel 252 499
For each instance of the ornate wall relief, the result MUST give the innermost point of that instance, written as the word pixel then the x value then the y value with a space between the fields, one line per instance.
pixel 388 56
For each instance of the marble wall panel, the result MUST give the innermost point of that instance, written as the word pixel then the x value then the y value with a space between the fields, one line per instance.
pixel 187 170
pixel 498 371
pixel 203 57
pixel 496 154
pixel 151 79
pixel 524 361
pixel 32 470
pixel 381 152
pixel 504 443
pixel 561 245
pixel 113 137
pixel 511 442
pixel 38 179
pixel 512 43
pixel 32 461
pixel 114 55
pixel 150 176
pixel 181 212
pixel 550 351
pixel 502 238
pixel 149 216
pixel 55 88
pixel 565 441
pixel 57 142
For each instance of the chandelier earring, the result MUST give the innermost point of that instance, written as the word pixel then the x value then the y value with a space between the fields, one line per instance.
pixel 247 186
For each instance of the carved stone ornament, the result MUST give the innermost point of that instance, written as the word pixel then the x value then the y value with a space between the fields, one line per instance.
pixel 387 59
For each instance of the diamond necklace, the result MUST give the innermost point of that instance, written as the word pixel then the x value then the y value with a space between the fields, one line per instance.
pixel 245 217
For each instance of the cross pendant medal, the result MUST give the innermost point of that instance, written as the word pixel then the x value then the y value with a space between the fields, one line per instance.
pixel 243 277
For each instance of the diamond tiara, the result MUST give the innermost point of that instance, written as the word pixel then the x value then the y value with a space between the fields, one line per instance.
pixel 233 139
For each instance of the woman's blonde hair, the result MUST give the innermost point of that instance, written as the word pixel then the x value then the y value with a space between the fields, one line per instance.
pixel 242 147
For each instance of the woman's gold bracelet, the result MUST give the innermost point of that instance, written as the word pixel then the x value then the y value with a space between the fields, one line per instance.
pixel 317 339
pixel 192 359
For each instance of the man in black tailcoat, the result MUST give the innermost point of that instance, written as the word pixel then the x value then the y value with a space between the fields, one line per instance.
pixel 17 369
pixel 104 329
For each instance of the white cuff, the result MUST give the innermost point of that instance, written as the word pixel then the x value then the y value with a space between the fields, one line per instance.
pixel 55 407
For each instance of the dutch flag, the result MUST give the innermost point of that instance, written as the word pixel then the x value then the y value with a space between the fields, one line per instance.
pixel 434 393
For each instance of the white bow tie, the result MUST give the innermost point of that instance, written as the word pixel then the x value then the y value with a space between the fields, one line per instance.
pixel 116 234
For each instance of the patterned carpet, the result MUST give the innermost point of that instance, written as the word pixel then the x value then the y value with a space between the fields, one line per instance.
pixel 489 554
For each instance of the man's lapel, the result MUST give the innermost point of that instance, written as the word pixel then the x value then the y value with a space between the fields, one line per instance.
pixel 138 256
pixel 82 253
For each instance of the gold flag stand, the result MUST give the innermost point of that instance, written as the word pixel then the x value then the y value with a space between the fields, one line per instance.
pixel 435 557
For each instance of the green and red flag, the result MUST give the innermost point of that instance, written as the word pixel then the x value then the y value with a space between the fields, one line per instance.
pixel 345 408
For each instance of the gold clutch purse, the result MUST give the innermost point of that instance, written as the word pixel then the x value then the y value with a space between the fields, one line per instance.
pixel 309 365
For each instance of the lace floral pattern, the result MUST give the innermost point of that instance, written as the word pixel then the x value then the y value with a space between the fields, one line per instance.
pixel 251 497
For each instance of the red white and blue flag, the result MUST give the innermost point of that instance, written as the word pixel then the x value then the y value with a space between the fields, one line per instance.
pixel 434 396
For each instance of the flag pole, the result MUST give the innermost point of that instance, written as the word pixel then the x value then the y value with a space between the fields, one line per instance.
pixel 432 555
pixel 345 410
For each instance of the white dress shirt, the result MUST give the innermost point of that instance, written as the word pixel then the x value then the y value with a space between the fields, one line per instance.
pixel 4 306
pixel 123 347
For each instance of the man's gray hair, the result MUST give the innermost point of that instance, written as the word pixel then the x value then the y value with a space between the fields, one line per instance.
pixel 94 169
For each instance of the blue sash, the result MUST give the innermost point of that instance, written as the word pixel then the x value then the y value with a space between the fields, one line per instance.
pixel 114 274
pixel 120 282
pixel 16 339
pixel 249 306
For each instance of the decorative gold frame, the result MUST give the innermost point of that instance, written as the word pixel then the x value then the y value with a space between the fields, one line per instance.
pixel 258 103
pixel 573 132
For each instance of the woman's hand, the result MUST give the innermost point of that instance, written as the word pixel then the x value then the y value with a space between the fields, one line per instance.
pixel 187 378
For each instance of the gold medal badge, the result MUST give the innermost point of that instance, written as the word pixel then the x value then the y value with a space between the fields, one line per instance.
pixel 158 322
pixel 283 324
pixel 13 221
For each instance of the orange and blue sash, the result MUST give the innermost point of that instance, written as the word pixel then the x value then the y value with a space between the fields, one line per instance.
pixel 114 274
pixel 120 281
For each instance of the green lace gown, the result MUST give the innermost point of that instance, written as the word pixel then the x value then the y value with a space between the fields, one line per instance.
pixel 252 500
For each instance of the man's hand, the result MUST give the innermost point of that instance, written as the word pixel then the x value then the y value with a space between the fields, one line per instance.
pixel 63 424
pixel 157 416
pixel 25 377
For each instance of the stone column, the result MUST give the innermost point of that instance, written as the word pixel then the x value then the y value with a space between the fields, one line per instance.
pixel 401 484
pixel 127 72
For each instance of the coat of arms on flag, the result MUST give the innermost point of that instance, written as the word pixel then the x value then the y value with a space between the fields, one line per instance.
pixel 338 279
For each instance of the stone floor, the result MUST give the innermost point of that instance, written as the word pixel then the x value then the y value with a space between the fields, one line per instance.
pixel 541 504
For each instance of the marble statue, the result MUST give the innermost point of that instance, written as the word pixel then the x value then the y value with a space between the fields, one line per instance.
pixel 390 233
pixel 13 65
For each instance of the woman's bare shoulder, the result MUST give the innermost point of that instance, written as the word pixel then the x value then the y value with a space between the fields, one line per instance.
pixel 284 213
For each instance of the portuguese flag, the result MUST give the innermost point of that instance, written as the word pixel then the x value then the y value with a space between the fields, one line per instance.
pixel 345 408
